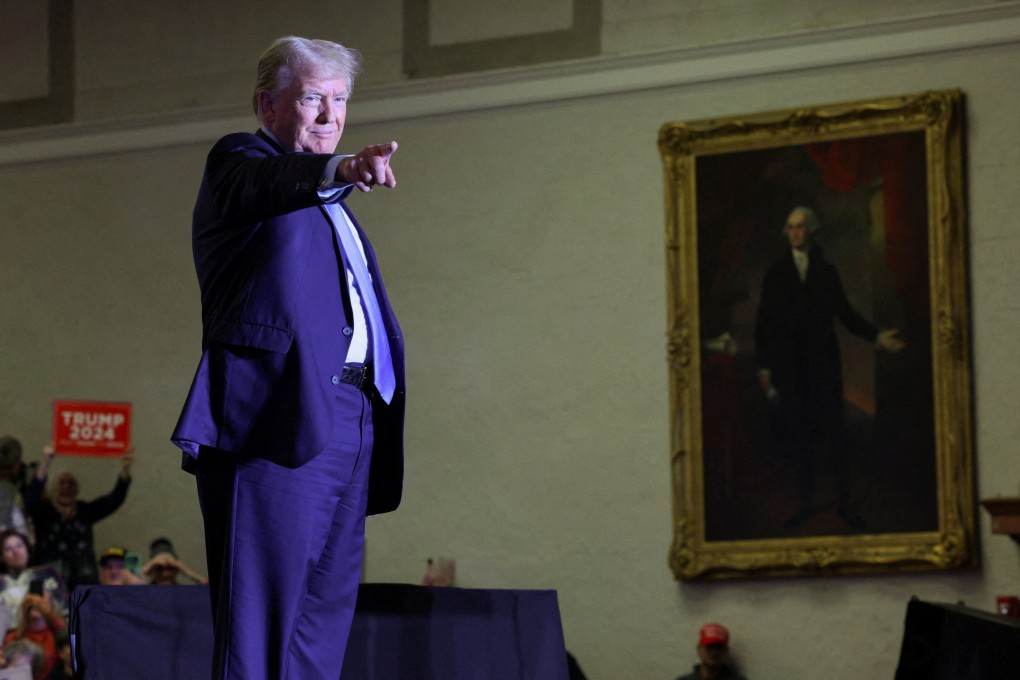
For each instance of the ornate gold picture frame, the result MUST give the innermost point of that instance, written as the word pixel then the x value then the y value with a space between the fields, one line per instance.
pixel 818 340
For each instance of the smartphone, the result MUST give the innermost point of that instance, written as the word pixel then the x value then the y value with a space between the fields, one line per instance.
pixel 36 586
pixel 133 563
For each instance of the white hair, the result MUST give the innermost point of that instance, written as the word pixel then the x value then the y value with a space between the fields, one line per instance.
pixel 811 220
pixel 293 56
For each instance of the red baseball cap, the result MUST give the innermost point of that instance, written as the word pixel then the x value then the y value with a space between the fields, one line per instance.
pixel 714 634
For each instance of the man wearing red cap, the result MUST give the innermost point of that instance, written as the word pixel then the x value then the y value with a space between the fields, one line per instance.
pixel 713 647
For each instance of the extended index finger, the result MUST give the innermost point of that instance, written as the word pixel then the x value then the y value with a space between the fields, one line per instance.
pixel 386 150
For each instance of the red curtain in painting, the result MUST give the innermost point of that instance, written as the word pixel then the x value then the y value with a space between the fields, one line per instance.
pixel 899 161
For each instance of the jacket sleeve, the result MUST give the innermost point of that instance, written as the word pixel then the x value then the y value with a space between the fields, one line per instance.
pixel 248 182
pixel 847 315
pixel 104 506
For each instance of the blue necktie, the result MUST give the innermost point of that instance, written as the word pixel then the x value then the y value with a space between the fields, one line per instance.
pixel 382 362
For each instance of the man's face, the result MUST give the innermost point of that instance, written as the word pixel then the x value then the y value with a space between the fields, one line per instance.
pixel 307 113
pixel 15 553
pixel 797 231
pixel 164 575
pixel 713 655
pixel 111 572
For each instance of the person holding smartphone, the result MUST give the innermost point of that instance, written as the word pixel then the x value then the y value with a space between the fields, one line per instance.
pixel 40 625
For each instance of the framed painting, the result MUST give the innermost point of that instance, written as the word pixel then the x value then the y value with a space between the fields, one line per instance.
pixel 818 340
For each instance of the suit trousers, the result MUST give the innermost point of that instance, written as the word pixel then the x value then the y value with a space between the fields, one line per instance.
pixel 284 549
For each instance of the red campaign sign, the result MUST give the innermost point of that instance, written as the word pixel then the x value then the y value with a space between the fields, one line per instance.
pixel 91 428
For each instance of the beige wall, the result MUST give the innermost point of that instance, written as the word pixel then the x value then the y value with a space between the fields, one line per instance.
pixel 523 251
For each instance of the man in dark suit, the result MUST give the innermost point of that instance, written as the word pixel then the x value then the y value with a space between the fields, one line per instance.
pixel 799 362
pixel 294 422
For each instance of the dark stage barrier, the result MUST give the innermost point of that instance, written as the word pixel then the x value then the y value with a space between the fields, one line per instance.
pixel 400 632
pixel 954 642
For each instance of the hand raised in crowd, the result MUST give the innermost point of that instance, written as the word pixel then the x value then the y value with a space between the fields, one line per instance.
pixel 163 562
pixel 38 602
pixel 49 452
pixel 126 461
pixel 369 167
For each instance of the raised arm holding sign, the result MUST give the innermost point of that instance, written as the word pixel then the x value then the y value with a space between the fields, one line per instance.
pixel 63 524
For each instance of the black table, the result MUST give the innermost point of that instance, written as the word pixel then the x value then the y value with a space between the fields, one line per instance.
pixel 399 632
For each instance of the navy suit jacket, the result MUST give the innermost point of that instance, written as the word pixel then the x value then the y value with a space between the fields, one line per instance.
pixel 276 317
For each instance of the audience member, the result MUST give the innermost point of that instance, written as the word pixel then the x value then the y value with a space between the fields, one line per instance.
pixel 440 572
pixel 164 566
pixel 12 510
pixel 113 570
pixel 63 524
pixel 24 653
pixel 713 648
pixel 64 669
pixel 40 626
pixel 16 578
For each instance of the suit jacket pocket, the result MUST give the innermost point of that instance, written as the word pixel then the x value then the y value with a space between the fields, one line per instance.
pixel 242 382
pixel 254 335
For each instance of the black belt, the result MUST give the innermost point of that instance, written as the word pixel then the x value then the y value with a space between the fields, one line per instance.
pixel 359 375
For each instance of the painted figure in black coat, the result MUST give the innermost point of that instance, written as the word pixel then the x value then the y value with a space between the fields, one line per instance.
pixel 799 365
